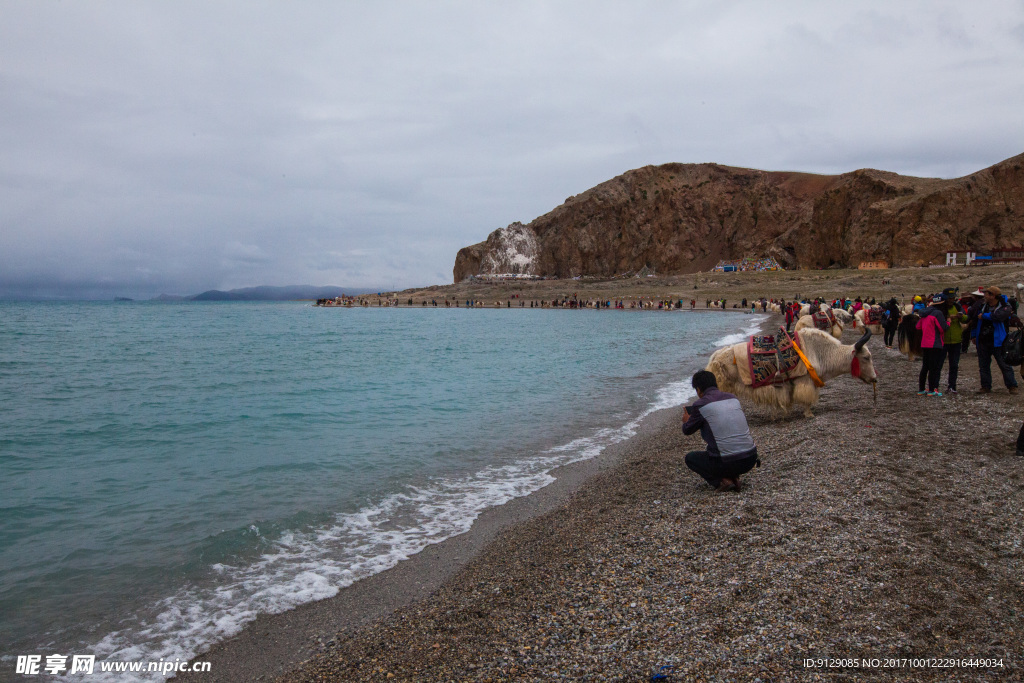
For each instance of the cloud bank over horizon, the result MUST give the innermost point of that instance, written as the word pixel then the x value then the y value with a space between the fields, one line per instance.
pixel 178 147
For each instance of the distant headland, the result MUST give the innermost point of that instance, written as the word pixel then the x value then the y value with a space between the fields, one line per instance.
pixel 263 293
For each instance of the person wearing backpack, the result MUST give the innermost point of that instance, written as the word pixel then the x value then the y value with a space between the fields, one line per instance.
pixel 989 317
pixel 953 338
pixel 890 321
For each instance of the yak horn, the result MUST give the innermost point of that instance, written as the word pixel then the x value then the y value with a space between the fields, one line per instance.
pixel 863 340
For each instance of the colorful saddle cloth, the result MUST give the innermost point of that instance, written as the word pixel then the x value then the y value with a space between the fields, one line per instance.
pixel 772 359
pixel 824 320
pixel 872 315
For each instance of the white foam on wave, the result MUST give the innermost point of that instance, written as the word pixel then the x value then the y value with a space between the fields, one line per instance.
pixel 305 566
pixel 738 337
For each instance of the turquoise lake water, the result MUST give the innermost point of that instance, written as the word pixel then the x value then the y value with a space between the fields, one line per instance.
pixel 170 470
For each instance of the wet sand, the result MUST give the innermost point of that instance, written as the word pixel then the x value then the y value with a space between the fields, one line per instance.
pixel 889 531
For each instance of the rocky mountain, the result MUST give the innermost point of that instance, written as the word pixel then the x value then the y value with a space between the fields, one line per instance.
pixel 682 218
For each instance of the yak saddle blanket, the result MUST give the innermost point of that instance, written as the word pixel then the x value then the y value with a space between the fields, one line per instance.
pixel 770 360
pixel 872 315
pixel 823 320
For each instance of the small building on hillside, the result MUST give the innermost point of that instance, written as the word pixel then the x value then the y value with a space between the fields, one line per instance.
pixel 873 265
pixel 952 258
pixel 1008 255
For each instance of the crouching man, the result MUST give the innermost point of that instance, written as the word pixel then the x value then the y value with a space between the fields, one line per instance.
pixel 722 424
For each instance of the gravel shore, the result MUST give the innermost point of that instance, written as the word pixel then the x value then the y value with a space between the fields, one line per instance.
pixel 888 531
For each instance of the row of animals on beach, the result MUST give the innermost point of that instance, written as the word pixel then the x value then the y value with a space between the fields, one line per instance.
pixel 788 369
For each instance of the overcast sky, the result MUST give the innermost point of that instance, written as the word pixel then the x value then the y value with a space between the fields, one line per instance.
pixel 174 147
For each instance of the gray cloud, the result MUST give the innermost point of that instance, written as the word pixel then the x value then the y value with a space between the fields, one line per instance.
pixel 175 147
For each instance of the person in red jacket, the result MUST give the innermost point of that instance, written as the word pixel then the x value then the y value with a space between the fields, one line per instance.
pixel 933 326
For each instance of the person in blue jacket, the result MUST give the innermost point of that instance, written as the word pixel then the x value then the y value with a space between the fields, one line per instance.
pixel 989 321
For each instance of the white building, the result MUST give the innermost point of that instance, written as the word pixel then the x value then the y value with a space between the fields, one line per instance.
pixel 969 257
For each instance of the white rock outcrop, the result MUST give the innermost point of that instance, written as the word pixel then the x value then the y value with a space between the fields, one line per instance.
pixel 511 251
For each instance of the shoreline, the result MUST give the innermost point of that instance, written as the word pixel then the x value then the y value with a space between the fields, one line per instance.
pixel 488 307
pixel 275 644
pixel 792 284
pixel 845 543
pixel 859 537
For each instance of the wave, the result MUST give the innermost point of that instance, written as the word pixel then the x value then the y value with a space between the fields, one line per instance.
pixel 304 566
pixel 738 337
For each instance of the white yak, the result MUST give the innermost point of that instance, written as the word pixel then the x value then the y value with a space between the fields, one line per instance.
pixel 835 328
pixel 827 355
pixel 859 320
pixel 843 316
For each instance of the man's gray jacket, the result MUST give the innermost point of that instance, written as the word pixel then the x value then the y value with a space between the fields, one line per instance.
pixel 722 424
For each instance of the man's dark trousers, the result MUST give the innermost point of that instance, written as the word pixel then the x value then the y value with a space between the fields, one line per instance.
pixel 953 360
pixel 714 470
pixel 985 355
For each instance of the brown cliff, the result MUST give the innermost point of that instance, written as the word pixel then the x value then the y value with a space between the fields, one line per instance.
pixel 681 218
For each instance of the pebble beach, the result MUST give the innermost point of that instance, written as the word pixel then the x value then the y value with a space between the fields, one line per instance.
pixel 878 539
pixel 886 531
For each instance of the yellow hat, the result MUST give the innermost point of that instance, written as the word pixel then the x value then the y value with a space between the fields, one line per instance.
pixel 918 299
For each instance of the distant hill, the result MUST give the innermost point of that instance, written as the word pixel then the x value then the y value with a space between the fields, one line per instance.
pixel 684 218
pixel 291 293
